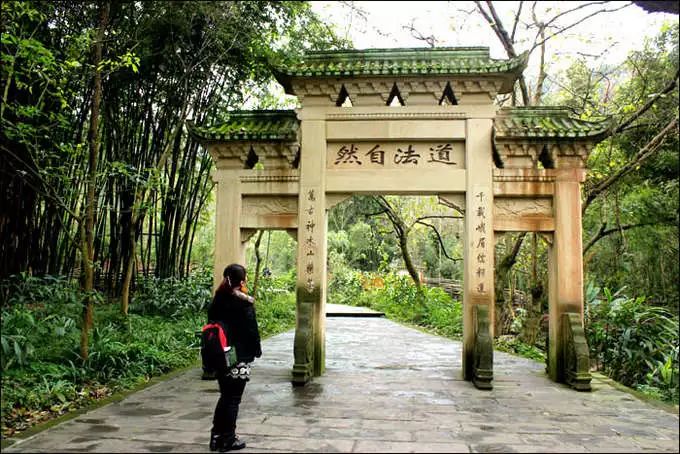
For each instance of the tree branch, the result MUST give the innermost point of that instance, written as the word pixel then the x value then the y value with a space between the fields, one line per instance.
pixel 583 19
pixel 509 260
pixel 442 216
pixel 670 87
pixel 441 242
pixel 640 157
pixel 369 215
pixel 541 66
pixel 564 13
pixel 514 25
pixel 430 40
pixel 603 231
pixel 497 26
pixel 450 204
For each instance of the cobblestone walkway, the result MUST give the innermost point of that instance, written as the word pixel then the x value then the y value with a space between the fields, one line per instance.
pixel 387 388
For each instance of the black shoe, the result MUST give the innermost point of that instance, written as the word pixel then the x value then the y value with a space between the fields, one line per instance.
pixel 232 444
pixel 208 375
pixel 216 441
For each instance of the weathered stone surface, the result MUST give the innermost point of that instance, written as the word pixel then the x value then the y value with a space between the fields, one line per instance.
pixel 387 388
pixel 576 354
pixel 483 349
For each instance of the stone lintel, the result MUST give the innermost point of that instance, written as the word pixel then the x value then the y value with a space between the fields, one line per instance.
pixel 269 212
pixel 398 182
pixel 524 224
pixel 523 188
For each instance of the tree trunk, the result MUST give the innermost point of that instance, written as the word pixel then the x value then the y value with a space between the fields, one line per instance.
pixel 406 255
pixel 128 269
pixel 533 318
pixel 87 227
pixel 258 261
pixel 402 231
pixel 503 307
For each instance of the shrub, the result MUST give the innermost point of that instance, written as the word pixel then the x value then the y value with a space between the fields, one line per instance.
pixel 42 373
pixel 173 297
pixel 344 286
pixel 632 341
pixel 512 344
pixel 276 313
pixel 401 300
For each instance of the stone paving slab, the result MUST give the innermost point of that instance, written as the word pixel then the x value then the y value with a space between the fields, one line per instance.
pixel 387 388
pixel 343 310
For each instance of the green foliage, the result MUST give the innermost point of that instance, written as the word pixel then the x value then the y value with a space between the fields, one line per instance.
pixel 17 349
pixel 172 297
pixel 42 373
pixel 399 299
pixel 344 283
pixel 514 345
pixel 275 302
pixel 276 313
pixel 278 252
pixel 633 341
pixel 641 209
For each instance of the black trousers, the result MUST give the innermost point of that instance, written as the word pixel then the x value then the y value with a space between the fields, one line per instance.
pixel 226 411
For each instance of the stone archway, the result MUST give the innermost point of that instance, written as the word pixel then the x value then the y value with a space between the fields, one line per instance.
pixel 513 169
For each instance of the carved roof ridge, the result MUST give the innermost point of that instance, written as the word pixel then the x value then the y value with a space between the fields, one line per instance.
pixel 257 125
pixel 540 122
pixel 436 62
pixel 401 52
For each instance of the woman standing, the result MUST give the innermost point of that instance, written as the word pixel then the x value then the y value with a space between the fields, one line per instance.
pixel 236 310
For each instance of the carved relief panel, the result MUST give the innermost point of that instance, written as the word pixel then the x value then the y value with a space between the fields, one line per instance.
pixel 269 212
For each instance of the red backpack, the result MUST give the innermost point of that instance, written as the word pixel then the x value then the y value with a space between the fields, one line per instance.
pixel 216 353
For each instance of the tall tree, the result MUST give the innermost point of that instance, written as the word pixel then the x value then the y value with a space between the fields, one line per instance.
pixel 87 226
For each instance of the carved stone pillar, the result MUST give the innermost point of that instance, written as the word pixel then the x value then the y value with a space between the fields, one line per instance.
pixel 482 372
pixel 478 280
pixel 309 349
pixel 228 245
pixel 565 265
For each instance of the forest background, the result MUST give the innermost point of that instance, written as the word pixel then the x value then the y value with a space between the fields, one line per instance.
pixel 107 209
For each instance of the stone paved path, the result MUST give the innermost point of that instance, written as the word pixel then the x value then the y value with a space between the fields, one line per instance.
pixel 387 388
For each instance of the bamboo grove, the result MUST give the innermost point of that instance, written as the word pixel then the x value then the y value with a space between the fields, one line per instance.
pixel 162 63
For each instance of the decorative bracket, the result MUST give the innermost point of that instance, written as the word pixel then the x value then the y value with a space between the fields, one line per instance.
pixel 482 351
pixel 576 356
pixel 247 234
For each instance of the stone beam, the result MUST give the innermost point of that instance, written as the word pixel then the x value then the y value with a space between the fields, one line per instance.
pixel 396 129
pixel 396 181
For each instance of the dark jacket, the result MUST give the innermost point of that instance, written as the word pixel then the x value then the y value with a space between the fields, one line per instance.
pixel 238 316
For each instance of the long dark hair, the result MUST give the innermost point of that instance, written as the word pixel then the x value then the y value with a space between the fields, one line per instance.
pixel 233 275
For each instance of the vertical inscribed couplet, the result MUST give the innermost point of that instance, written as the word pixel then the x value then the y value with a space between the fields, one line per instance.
pixel 310 244
pixel 481 243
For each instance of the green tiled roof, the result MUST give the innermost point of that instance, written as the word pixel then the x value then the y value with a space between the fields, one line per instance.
pixel 545 122
pixel 466 61
pixel 257 125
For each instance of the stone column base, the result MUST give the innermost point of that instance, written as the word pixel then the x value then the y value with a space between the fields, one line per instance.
pixel 576 354
pixel 482 352
pixel 302 374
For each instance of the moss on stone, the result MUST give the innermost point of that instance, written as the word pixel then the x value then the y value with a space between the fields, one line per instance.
pixel 546 122
pixel 256 125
